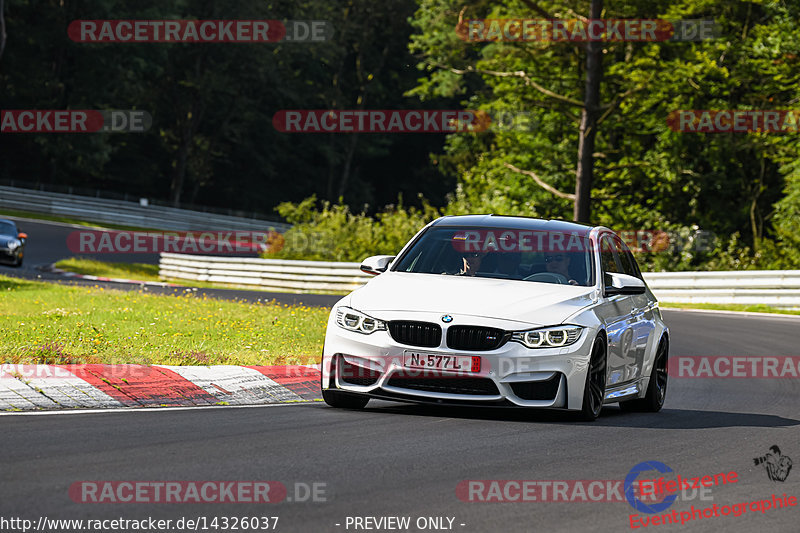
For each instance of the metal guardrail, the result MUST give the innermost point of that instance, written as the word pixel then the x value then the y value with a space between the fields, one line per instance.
pixel 272 274
pixel 778 288
pixel 103 210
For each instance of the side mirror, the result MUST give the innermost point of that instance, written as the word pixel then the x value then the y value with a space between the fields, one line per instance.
pixel 623 284
pixel 376 264
pixel 22 236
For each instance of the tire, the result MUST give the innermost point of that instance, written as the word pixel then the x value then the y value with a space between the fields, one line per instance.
pixel 594 389
pixel 656 393
pixel 18 262
pixel 344 400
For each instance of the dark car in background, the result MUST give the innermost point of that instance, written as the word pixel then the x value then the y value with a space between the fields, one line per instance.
pixel 12 243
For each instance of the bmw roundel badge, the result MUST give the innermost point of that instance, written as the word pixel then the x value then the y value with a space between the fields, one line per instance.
pixel 447 319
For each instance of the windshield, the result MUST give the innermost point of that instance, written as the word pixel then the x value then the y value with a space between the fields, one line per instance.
pixel 502 253
pixel 8 228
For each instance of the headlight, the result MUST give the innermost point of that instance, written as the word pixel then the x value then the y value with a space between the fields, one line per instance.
pixel 357 321
pixel 13 245
pixel 551 337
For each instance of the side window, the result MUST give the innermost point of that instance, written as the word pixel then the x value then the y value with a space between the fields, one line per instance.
pixel 629 265
pixel 608 257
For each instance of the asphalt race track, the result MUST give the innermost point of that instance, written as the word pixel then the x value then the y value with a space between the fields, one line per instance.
pixel 407 461
pixel 47 244
pixel 404 460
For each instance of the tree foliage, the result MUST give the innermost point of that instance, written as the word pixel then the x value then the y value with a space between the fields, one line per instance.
pixel 647 176
pixel 212 141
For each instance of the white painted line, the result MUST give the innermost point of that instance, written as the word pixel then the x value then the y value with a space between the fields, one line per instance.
pixel 151 409
pixel 743 314
pixel 54 223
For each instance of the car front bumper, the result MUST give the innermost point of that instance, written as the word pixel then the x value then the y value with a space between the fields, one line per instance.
pixel 511 375
pixel 7 255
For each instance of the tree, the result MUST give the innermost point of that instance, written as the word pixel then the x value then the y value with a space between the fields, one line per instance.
pixel 439 57
pixel 2 28
pixel 588 127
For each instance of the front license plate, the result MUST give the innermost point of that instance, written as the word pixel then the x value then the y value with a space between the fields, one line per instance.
pixel 458 363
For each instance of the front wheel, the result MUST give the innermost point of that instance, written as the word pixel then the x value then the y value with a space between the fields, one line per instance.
pixel 656 393
pixel 344 400
pixel 594 390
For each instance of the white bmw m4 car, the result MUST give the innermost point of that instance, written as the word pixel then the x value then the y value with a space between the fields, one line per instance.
pixel 490 310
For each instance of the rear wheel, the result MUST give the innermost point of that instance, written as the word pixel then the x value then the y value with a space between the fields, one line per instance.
pixel 656 393
pixel 594 390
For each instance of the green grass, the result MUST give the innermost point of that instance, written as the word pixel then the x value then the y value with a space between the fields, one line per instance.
pixel 755 308
pixel 67 220
pixel 90 267
pixel 50 324
pixel 134 272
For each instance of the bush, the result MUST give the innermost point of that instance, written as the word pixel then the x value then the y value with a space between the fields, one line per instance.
pixel 334 233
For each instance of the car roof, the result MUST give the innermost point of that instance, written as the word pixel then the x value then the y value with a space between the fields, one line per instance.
pixel 513 222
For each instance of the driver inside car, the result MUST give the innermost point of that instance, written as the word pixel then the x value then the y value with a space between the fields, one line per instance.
pixel 558 263
pixel 471 263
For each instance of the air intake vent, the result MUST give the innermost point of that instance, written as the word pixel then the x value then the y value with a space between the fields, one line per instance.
pixel 475 338
pixel 424 334
pixel 472 386
pixel 358 375
pixel 537 390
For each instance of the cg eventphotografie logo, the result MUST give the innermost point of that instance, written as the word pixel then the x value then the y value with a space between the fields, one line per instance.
pixel 630 484
pixel 670 489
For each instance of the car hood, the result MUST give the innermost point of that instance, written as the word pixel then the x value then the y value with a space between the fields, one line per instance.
pixel 520 301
